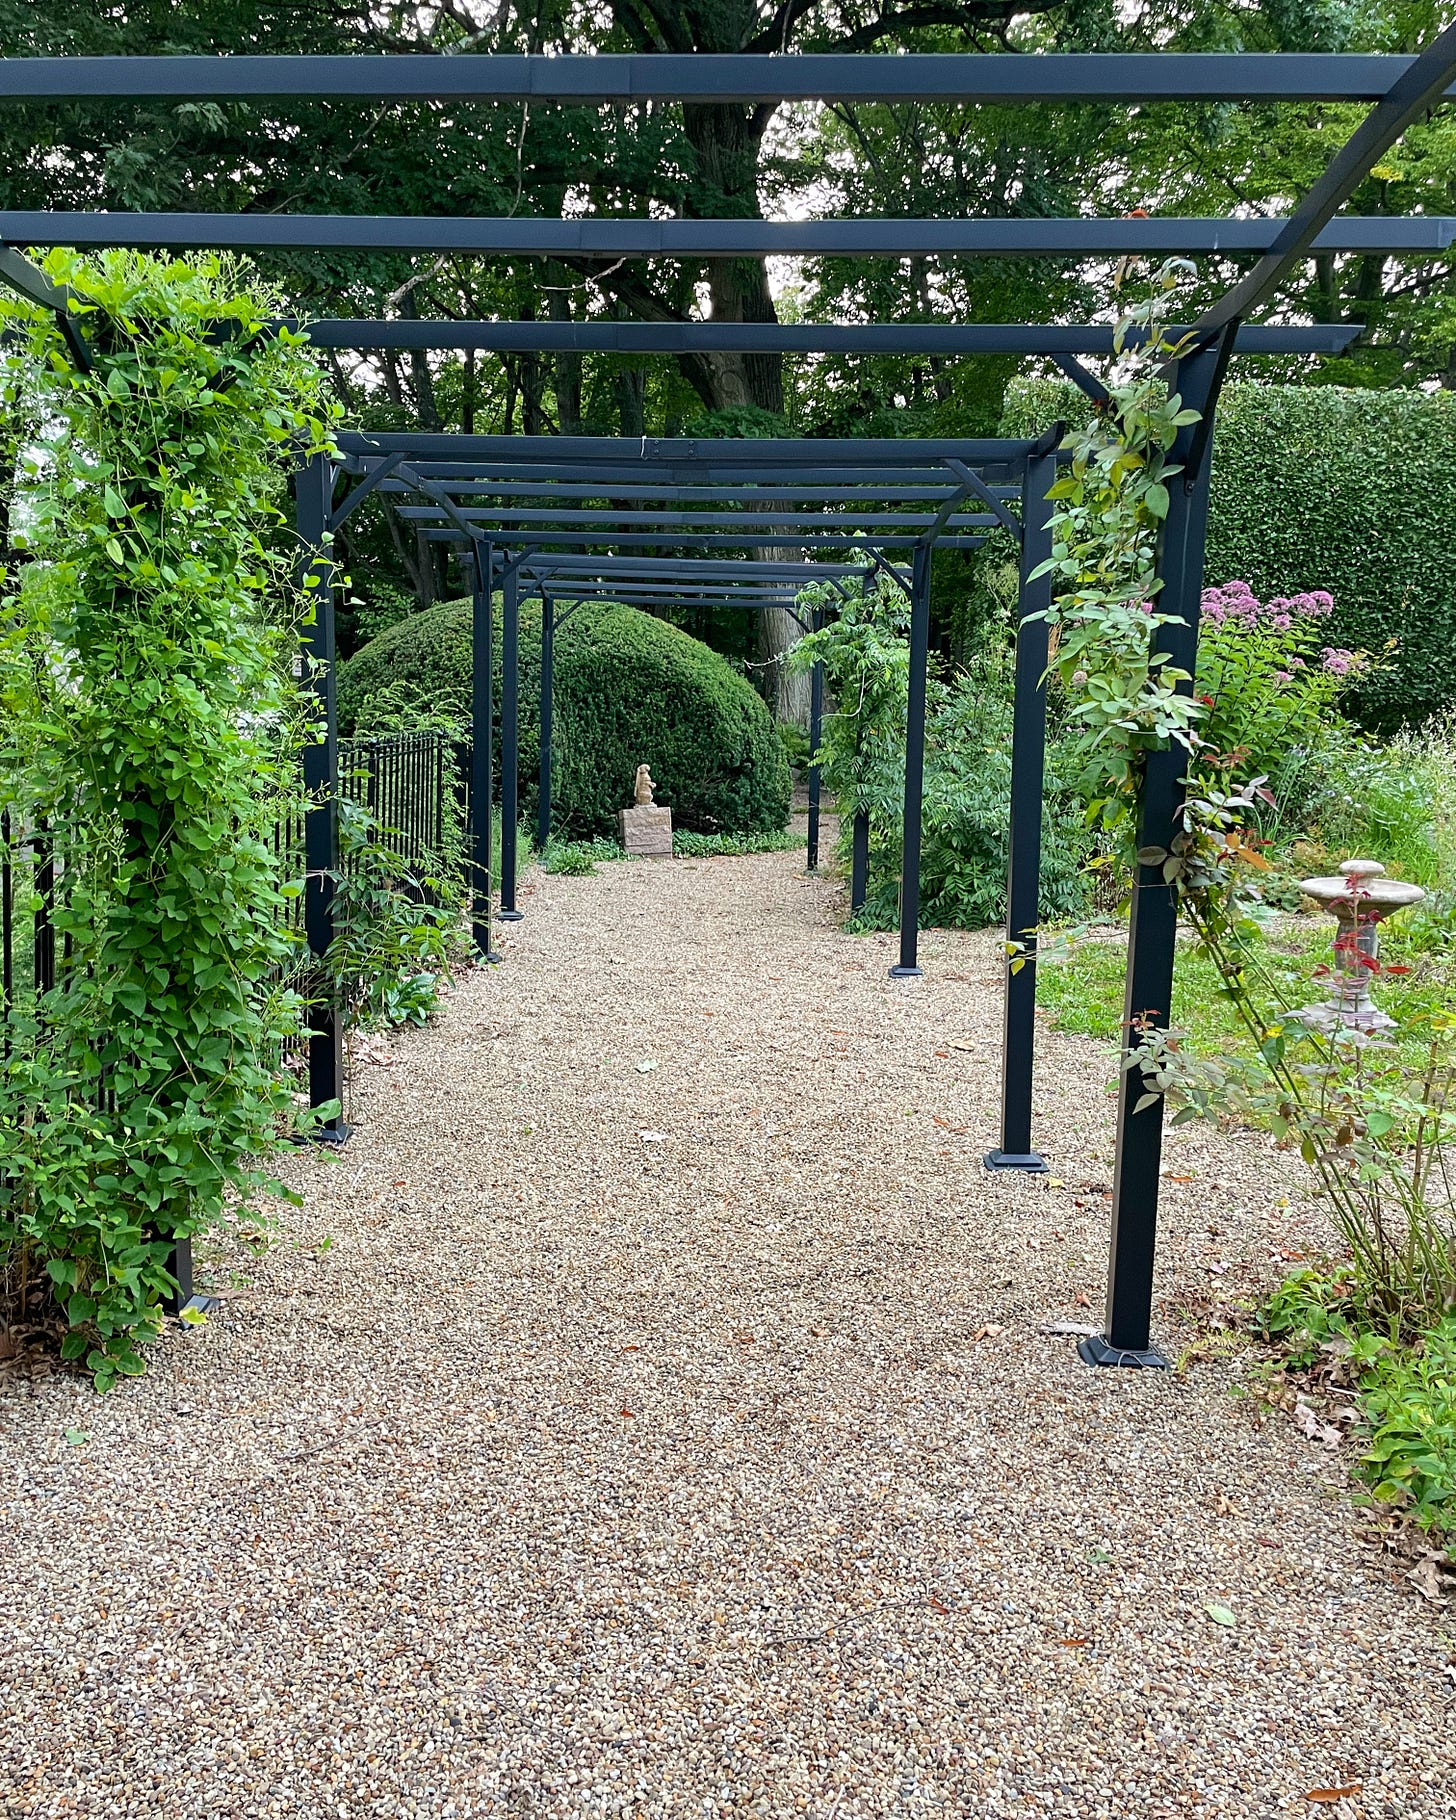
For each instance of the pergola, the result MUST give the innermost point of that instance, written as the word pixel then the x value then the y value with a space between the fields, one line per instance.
pixel 523 506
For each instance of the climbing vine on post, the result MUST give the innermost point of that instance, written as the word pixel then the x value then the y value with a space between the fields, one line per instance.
pixel 151 726
pixel 1122 694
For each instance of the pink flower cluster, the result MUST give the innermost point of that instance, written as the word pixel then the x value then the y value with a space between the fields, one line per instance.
pixel 1236 604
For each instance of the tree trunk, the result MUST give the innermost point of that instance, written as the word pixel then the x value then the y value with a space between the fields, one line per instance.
pixel 727 142
pixel 778 632
pixel 568 369
pixel 632 400
pixel 422 379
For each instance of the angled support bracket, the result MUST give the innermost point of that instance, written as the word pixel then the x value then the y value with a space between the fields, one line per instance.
pixel 1084 380
pixel 973 480
pixel 878 560
pixel 374 478
pixel 27 279
pixel 948 510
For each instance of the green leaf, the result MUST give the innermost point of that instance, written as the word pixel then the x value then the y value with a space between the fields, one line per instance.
pixel 77 1437
pixel 1221 1614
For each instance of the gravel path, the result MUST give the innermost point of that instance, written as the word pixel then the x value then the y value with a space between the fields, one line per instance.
pixel 605 1438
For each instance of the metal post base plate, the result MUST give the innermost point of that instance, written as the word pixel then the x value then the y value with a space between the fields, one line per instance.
pixel 1096 1350
pixel 200 1304
pixel 332 1134
pixel 906 973
pixel 1029 1161
pixel 510 916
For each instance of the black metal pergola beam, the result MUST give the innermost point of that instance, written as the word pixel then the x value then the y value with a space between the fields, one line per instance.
pixel 679 238
pixel 648 567
pixel 699 540
pixel 625 456
pixel 745 497
pixel 938 338
pixel 762 523
pixel 1097 77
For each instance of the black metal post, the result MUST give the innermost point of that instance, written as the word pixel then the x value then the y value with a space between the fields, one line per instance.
pixel 906 967
pixel 313 492
pixel 816 719
pixel 859 860
pixel 548 660
pixel 510 740
pixel 482 715
pixel 1126 1338
pixel 1023 876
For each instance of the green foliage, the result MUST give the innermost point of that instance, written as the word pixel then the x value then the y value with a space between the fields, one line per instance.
pixel 1317 487
pixel 629 689
pixel 1406 1393
pixel 687 845
pixel 582 857
pixel 398 931
pixel 1409 1400
pixel 150 724
pixel 363 619
pixel 1307 1313
pixel 965 816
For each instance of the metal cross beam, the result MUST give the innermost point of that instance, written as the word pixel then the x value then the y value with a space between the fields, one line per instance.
pixel 751 80
pixel 678 238
pixel 938 338
pixel 622 456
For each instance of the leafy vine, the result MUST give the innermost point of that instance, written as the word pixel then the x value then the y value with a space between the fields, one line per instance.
pixel 150 726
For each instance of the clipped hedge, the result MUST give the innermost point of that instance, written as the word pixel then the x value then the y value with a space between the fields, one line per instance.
pixel 1325 487
pixel 629 689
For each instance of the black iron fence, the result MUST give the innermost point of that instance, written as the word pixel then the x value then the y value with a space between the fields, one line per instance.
pixel 412 784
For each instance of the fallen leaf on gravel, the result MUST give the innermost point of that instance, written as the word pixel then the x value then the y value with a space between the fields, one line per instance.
pixel 743 1339
pixel 1333 1794
pixel 626 1412
pixel 77 1437
pixel 1220 1614
pixel 1223 1506
pixel 653 1137
pixel 1427 1578
pixel 1075 1642
pixel 646 1067
pixel 987 1331
pixel 1309 1424
pixel 1083 1301
pixel 940 1606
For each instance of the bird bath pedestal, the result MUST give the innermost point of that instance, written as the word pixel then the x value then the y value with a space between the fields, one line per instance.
pixel 1360 899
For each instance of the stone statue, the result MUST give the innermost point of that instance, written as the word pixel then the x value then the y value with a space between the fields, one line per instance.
pixel 645 828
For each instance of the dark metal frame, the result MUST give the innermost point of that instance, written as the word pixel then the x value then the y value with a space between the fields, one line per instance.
pixel 1402 88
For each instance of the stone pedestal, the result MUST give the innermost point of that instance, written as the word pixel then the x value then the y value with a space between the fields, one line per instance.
pixel 646 831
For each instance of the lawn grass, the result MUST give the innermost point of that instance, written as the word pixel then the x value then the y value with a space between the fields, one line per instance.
pixel 1083 991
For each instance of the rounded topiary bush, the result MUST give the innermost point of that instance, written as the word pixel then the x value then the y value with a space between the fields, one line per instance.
pixel 629 690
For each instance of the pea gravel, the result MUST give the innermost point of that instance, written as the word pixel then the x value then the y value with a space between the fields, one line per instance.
pixel 649 1413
